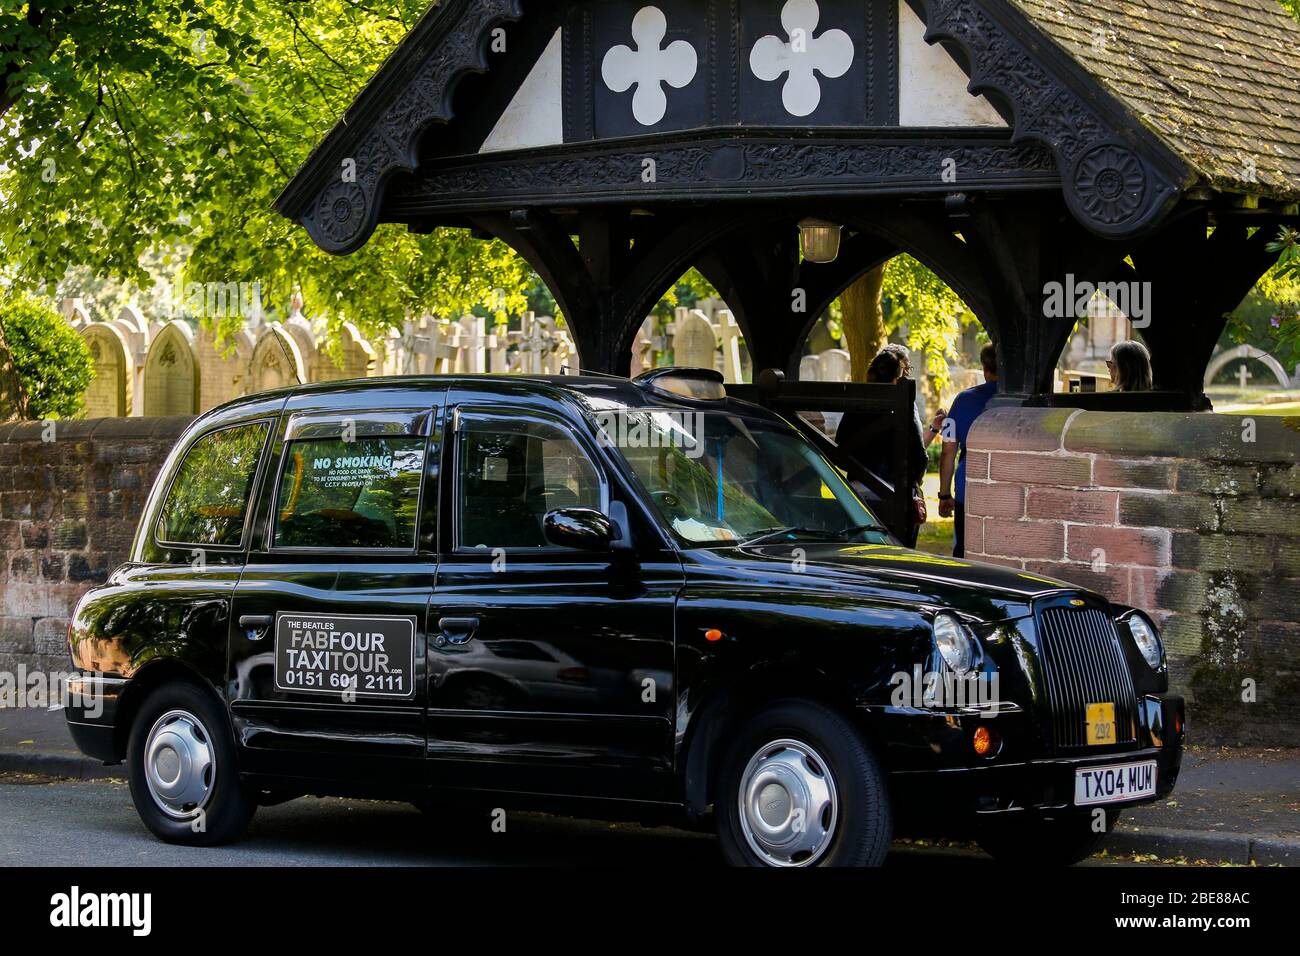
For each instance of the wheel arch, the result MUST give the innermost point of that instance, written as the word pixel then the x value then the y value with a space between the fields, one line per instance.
pixel 146 680
pixel 725 709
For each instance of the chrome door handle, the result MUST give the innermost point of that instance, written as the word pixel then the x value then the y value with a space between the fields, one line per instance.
pixel 456 630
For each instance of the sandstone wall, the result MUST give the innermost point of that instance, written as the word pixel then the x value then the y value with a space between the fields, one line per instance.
pixel 1193 518
pixel 70 496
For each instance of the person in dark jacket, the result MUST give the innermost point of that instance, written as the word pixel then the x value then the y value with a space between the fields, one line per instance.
pixel 870 438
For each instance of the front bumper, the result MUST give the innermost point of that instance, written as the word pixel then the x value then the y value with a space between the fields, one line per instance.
pixel 1034 786
pixel 91 711
pixel 933 765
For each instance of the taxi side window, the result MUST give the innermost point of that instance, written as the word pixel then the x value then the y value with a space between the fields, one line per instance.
pixel 512 474
pixel 208 499
pixel 363 493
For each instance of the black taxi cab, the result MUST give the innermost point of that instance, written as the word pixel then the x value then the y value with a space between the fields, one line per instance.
pixel 638 598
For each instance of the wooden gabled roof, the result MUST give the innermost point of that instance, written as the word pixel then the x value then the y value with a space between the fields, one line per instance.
pixel 1137 100
pixel 1217 80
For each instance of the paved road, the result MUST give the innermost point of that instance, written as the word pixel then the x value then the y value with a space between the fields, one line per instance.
pixel 75 823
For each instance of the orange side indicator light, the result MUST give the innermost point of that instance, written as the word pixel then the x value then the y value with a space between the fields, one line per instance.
pixel 986 741
pixel 713 634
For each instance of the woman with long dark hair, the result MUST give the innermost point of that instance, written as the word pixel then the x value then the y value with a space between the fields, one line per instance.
pixel 869 438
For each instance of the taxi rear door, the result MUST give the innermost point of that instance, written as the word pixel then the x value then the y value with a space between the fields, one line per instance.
pixel 327 641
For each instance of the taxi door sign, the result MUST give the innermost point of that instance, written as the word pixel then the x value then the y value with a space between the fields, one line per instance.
pixel 345 655
pixel 1101 724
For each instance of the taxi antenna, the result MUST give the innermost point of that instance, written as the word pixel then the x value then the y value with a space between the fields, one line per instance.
pixel 587 371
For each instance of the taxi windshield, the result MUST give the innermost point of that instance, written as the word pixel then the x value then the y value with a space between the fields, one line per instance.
pixel 718 478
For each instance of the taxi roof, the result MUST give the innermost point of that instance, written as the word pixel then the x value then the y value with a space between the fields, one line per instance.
pixel 589 392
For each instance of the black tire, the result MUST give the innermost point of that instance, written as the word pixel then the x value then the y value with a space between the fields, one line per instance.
pixel 228 808
pixel 1059 840
pixel 863 824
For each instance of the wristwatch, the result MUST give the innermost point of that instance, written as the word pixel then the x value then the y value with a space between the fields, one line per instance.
pixel 945 496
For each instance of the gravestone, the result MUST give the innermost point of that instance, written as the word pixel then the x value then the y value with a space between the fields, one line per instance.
pixel 642 346
pixel 410 351
pixel 111 390
pixel 695 345
pixel 498 347
pixel 74 310
pixel 300 329
pixel 532 341
pixel 446 344
pixel 729 332
pixel 563 358
pixel 473 353
pixel 171 373
pixel 834 365
pixel 356 358
pixel 136 329
pixel 223 366
pixel 277 360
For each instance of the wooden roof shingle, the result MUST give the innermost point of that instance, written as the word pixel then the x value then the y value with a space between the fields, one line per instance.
pixel 1217 80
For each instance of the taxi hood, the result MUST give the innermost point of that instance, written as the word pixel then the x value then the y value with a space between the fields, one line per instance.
pixel 988 591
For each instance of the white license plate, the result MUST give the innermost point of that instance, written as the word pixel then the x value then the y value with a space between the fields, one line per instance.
pixel 1126 781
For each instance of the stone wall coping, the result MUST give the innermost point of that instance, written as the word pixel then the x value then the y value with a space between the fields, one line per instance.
pixel 166 427
pixel 1133 435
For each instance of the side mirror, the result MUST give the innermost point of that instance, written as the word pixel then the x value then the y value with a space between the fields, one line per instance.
pixel 583 529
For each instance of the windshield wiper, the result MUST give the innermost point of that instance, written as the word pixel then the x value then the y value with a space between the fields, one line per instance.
pixel 766 534
pixel 760 536
pixel 860 528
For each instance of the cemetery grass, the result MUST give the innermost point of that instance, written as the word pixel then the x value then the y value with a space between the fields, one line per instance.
pixel 1288 410
pixel 936 533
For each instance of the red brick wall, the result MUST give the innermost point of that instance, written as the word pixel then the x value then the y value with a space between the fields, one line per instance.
pixel 1193 518
pixel 70 497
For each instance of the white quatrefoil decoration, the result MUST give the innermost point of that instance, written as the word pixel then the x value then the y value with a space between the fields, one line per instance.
pixel 649 66
pixel 803 57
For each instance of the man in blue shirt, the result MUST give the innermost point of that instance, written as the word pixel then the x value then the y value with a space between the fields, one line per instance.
pixel 966 407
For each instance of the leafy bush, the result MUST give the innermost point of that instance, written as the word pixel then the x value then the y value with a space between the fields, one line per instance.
pixel 50 360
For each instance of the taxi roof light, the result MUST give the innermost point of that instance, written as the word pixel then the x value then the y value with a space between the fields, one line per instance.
pixel 696 384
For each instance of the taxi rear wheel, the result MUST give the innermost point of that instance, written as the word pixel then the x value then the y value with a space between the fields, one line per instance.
pixel 1061 840
pixel 181 768
pixel 800 787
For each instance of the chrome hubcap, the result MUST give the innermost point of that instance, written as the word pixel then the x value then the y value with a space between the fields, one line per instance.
pixel 788 804
pixel 180 766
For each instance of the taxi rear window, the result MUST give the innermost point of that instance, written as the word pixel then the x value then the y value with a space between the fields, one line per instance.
pixel 208 499
pixel 362 493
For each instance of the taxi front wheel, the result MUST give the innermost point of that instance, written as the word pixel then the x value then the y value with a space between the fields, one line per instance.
pixel 1061 840
pixel 181 767
pixel 800 787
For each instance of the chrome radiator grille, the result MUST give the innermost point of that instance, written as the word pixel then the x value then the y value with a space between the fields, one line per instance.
pixel 1084 665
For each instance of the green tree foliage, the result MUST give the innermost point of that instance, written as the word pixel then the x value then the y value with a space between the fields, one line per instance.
pixel 928 314
pixel 49 359
pixel 134 127
pixel 685 293
pixel 932 313
pixel 1279 294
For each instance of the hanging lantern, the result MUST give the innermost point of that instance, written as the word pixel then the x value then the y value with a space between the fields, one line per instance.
pixel 819 240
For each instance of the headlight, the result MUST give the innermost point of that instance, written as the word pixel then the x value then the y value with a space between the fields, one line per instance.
pixel 1144 635
pixel 955 645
